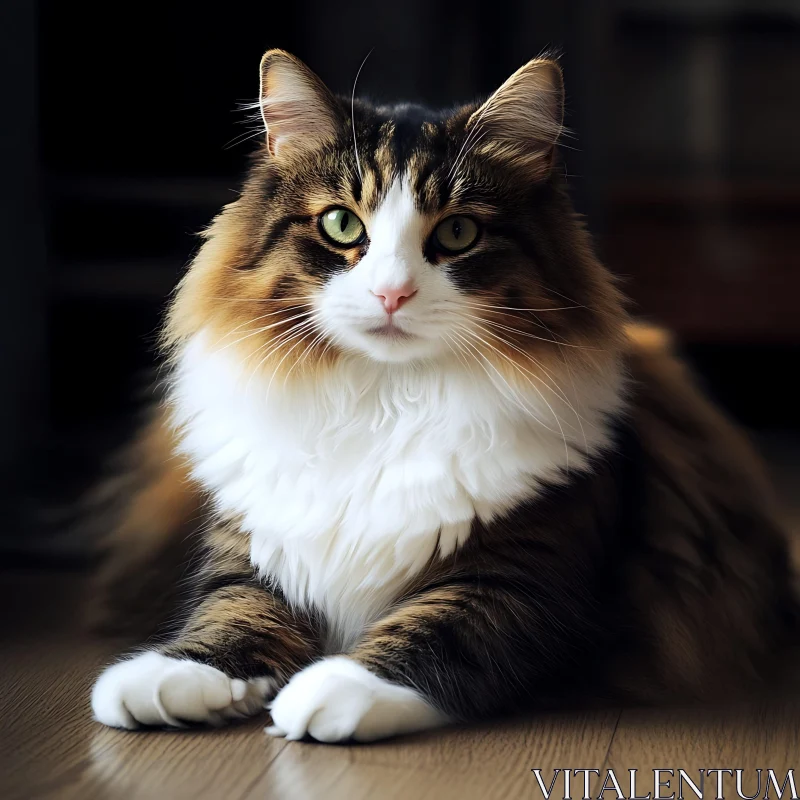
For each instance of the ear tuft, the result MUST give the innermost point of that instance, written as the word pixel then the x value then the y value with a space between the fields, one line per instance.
pixel 299 111
pixel 522 121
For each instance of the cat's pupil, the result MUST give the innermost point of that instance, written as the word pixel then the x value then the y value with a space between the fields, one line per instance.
pixel 345 222
pixel 456 229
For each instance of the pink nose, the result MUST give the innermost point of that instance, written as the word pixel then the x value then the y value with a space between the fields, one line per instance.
pixel 392 299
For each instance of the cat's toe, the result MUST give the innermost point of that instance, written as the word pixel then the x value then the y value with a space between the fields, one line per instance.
pixel 251 700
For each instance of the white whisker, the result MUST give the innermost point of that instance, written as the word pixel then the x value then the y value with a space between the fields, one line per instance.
pixel 519 308
pixel 514 397
pixel 256 319
pixel 574 389
pixel 306 298
pixel 555 388
pixel 541 338
pixel 264 328
pixel 353 115
pixel 278 366
pixel 544 399
pixel 299 330
pixel 309 347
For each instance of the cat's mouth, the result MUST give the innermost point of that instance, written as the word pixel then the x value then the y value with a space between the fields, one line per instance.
pixel 390 331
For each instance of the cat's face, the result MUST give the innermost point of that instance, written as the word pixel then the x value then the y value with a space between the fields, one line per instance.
pixel 398 234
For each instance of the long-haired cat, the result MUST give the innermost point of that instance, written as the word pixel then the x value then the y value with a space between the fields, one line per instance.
pixel 433 471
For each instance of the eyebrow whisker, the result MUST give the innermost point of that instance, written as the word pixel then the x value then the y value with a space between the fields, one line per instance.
pixel 353 116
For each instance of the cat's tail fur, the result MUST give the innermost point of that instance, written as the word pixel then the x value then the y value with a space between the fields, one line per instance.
pixel 143 516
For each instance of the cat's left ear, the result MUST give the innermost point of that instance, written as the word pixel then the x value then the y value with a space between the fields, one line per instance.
pixel 298 109
pixel 522 121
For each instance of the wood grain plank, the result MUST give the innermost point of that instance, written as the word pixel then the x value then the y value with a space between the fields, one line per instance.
pixel 747 736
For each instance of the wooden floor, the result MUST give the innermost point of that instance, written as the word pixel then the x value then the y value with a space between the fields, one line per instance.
pixel 50 747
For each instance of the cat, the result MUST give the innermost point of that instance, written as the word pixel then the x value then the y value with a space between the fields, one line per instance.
pixel 434 471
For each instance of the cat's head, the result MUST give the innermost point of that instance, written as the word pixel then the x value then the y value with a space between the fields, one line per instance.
pixel 400 234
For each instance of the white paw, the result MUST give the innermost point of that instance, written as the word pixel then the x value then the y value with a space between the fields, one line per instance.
pixel 337 699
pixel 152 689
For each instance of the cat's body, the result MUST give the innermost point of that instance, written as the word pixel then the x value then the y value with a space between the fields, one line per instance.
pixel 444 477
pixel 349 483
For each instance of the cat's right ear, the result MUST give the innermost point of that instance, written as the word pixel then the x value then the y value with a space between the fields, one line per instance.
pixel 299 111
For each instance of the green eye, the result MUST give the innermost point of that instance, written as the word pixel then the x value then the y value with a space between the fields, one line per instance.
pixel 342 227
pixel 456 234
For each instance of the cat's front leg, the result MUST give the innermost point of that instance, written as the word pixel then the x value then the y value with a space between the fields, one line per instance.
pixel 465 651
pixel 236 648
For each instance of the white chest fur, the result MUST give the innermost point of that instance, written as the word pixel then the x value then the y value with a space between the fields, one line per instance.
pixel 349 485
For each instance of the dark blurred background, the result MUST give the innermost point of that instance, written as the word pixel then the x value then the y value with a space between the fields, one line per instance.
pixel 119 143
